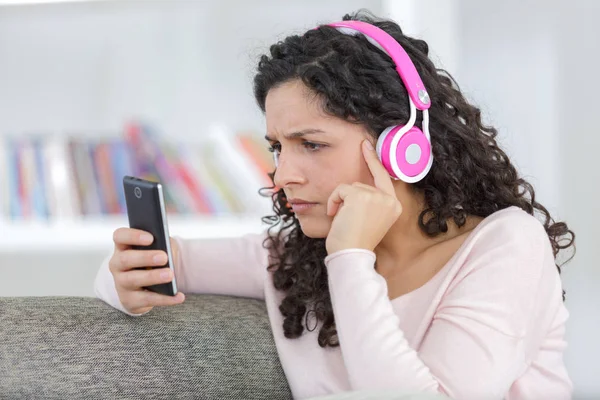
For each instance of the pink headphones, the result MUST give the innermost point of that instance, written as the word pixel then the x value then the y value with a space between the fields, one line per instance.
pixel 403 149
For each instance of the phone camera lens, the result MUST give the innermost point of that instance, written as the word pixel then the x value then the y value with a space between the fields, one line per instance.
pixel 138 192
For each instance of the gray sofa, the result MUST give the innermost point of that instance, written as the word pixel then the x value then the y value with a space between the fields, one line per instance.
pixel 209 347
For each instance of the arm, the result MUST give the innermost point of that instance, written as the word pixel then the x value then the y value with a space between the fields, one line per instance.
pixel 477 344
pixel 228 266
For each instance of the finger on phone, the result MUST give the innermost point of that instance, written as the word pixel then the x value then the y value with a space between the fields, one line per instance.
pixel 136 279
pixel 130 258
pixel 147 298
pixel 124 237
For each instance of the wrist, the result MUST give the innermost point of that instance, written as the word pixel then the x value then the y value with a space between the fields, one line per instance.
pixel 349 252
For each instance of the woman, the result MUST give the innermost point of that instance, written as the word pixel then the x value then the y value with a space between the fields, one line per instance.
pixel 443 283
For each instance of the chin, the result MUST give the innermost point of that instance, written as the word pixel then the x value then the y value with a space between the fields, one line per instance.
pixel 315 228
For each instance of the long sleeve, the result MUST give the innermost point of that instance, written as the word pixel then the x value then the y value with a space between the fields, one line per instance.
pixel 228 266
pixel 231 266
pixel 484 331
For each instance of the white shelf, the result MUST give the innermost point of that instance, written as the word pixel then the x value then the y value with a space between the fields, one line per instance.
pixel 95 234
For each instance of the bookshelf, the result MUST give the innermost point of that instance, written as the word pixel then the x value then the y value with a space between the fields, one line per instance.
pixel 60 194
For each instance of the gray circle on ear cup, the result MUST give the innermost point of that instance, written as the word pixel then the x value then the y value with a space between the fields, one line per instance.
pixel 424 96
pixel 413 154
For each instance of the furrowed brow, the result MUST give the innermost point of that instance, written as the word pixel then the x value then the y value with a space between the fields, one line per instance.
pixel 298 134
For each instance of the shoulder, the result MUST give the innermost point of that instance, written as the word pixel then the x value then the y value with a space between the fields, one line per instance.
pixel 507 263
pixel 508 246
pixel 511 227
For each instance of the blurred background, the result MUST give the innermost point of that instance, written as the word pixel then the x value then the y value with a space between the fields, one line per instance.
pixel 82 83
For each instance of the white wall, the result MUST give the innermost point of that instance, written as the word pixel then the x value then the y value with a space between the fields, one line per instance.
pixel 181 64
pixel 577 33
pixel 532 69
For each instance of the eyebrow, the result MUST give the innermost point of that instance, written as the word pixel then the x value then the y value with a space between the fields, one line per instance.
pixel 295 135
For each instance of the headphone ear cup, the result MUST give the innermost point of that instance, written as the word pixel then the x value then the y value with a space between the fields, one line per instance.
pixel 412 153
pixel 383 149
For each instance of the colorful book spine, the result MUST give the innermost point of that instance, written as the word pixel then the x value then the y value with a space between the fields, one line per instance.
pixel 85 183
pixel 13 180
pixel 62 195
pixel 59 177
pixel 239 171
pixel 103 166
pixel 122 164
pixel 251 148
pixel 189 182
pixel 146 167
pixel 4 181
pixel 197 167
pixel 39 193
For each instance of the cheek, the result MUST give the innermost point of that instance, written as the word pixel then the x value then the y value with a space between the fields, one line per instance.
pixel 351 168
pixel 345 166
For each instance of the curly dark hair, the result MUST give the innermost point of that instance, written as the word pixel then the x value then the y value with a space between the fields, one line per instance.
pixel 358 82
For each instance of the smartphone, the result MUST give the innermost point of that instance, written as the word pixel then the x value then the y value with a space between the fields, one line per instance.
pixel 146 211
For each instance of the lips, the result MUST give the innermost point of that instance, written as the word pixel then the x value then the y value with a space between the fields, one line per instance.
pixel 300 208
pixel 300 202
pixel 299 205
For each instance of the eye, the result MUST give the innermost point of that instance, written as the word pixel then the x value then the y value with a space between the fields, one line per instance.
pixel 312 146
pixel 275 147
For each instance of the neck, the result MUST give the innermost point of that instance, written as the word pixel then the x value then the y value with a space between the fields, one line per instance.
pixel 405 240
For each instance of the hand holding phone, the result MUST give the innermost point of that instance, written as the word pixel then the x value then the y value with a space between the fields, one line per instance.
pixel 131 281
pixel 136 271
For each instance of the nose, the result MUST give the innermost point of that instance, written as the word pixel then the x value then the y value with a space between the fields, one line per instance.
pixel 288 171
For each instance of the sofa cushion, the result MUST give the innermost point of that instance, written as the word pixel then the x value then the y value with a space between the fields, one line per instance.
pixel 210 347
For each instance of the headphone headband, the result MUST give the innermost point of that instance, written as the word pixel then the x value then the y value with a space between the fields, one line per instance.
pixel 404 66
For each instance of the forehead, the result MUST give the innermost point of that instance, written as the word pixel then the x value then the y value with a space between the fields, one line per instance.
pixel 291 104
pixel 292 107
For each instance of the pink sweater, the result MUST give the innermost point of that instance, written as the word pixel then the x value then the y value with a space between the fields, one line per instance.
pixel 489 325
